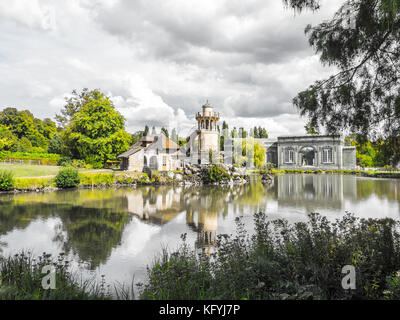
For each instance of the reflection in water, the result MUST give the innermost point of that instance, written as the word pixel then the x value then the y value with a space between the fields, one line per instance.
pixel 118 229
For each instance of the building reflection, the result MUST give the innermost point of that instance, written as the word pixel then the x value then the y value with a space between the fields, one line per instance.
pixel 311 191
pixel 203 206
pixel 154 205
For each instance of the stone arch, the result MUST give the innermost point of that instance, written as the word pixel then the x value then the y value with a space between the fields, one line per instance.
pixel 153 163
pixel 145 161
pixel 308 156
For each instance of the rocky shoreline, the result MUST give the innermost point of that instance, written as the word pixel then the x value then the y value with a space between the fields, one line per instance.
pixel 192 175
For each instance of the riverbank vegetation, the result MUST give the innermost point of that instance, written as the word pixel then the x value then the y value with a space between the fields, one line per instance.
pixel 284 261
pixel 278 261
pixel 21 279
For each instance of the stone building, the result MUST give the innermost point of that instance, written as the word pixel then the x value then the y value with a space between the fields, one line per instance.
pixel 156 152
pixel 325 152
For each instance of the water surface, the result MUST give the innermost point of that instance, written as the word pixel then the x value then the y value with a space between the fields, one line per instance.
pixel 117 232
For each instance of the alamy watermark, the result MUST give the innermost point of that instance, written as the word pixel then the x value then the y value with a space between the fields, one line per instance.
pixel 349 281
pixel 49 280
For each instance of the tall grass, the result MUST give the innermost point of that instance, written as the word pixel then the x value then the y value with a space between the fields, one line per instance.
pixel 21 279
pixel 283 261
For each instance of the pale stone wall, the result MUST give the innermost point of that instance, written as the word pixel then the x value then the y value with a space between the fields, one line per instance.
pixel 136 161
pixel 318 144
pixel 349 158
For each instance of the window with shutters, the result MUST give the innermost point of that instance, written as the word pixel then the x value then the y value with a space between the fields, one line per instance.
pixel 289 155
pixel 327 155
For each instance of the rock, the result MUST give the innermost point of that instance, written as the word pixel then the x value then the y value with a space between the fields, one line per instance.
pixel 178 177
pixel 266 178
pixel 170 175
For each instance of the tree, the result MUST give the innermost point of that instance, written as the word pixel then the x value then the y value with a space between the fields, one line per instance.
pixel 146 130
pixel 310 129
pixel 22 124
pixel 174 135
pixel 362 41
pixel 137 135
pixel 8 141
pixel 96 132
pixel 55 144
pixel 242 133
pixel 255 133
pixel 251 151
pixel 234 133
pixel 73 105
pixel 165 132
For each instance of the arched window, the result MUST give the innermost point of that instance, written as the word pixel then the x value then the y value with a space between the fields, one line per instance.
pixel 327 155
pixel 289 155
pixel 145 161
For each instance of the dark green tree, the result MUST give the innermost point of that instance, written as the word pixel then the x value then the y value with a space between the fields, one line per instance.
pixel 362 41
pixel 146 130
pixel 165 132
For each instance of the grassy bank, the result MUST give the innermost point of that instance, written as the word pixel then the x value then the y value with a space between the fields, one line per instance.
pixel 89 179
pixel 282 261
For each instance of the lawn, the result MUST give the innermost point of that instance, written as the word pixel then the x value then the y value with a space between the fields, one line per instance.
pixel 26 170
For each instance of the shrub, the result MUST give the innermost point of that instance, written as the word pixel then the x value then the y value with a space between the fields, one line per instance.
pixel 78 163
pixel 97 179
pixel 215 174
pixel 6 180
pixel 64 162
pixel 33 183
pixel 67 178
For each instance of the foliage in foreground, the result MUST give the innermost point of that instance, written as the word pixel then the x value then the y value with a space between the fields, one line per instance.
pixel 282 261
pixel 21 279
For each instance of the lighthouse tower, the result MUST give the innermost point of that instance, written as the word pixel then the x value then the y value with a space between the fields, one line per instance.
pixel 208 135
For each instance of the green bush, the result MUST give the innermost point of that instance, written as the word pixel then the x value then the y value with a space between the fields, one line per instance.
pixel 64 162
pixel 78 163
pixel 6 180
pixel 67 178
pixel 215 174
pixel 33 183
pixel 97 179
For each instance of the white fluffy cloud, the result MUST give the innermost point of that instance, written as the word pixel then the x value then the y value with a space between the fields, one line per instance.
pixel 160 60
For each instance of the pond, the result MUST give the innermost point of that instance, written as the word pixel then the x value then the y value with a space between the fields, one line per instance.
pixel 118 232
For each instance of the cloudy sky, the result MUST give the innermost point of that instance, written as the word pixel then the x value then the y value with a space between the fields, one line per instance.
pixel 160 60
